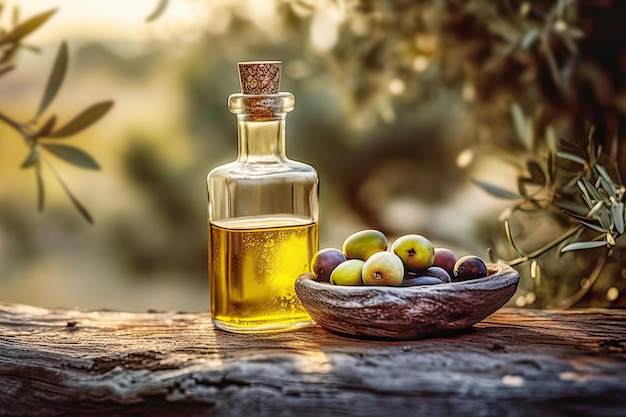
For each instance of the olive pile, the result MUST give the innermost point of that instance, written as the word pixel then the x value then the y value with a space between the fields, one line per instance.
pixel 366 259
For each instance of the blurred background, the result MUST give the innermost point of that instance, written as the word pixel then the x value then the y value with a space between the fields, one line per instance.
pixel 400 105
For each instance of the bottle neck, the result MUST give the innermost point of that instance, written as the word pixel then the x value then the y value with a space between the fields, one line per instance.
pixel 261 141
pixel 261 125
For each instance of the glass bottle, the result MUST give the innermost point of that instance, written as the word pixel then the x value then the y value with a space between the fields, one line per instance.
pixel 262 214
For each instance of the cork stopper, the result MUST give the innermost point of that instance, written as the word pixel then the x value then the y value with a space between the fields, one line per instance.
pixel 260 77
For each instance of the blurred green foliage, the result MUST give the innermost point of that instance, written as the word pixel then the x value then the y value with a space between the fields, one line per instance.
pixel 400 104
pixel 561 61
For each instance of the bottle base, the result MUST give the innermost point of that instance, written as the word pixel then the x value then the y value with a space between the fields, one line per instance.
pixel 265 328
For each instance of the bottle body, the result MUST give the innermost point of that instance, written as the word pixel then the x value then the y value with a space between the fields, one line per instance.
pixel 262 225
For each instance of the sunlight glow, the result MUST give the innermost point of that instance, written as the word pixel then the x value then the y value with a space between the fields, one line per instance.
pixel 396 86
pixel 113 20
pixel 612 294
pixel 313 363
pixel 420 63
pixel 465 158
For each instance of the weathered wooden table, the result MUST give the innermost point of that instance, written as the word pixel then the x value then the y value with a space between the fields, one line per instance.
pixel 515 363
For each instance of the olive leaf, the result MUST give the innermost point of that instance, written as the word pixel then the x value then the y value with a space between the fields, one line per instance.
pixel 590 223
pixel 56 79
pixel 585 193
pixel 31 48
pixel 593 213
pixel 605 220
pixel 529 38
pixel 40 189
pixel 602 171
pixel 607 186
pixel 582 218
pixel 83 120
pixel 571 147
pixel 496 191
pixel 8 53
pixel 24 29
pixel 47 127
pixel 571 157
pixel 572 206
pixel 74 156
pixel 617 210
pixel 82 210
pixel 584 245
pixel 6 69
pixel 32 158
pixel 593 192
pixel 536 172
pixel 161 6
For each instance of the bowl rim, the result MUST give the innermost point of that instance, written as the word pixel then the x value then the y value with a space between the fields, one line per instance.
pixel 501 275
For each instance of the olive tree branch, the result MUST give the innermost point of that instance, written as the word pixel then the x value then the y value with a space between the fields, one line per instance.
pixel 10 122
pixel 21 128
pixel 545 248
pixel 32 131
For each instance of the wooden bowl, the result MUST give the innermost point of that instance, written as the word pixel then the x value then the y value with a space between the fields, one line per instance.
pixel 406 312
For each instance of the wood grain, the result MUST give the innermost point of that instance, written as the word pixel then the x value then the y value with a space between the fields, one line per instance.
pixel 515 363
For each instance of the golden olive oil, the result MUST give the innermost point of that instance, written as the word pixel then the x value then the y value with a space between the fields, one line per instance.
pixel 253 265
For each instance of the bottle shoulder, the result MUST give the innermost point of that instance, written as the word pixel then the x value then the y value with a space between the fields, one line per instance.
pixel 301 166
pixel 222 170
pixel 261 168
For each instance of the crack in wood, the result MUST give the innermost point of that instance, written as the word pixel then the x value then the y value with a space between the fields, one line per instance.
pixel 133 360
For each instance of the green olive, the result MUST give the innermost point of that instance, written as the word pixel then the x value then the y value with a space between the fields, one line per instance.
pixel 348 273
pixel 363 244
pixel 383 268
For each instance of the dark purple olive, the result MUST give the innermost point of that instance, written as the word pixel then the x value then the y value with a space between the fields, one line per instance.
pixel 438 272
pixel 469 267
pixel 324 263
pixel 445 258
pixel 422 280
